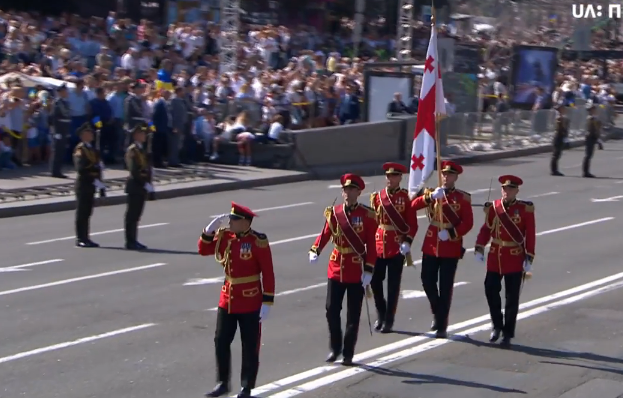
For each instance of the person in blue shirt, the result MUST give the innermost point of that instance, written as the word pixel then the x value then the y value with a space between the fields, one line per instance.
pixel 101 110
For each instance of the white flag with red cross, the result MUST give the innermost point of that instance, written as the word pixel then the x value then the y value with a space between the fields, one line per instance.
pixel 432 105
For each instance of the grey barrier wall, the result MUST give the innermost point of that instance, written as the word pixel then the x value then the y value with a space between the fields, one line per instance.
pixel 348 144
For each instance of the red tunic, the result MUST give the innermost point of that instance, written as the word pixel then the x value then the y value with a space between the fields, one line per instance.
pixel 506 255
pixel 248 265
pixel 388 237
pixel 456 202
pixel 344 264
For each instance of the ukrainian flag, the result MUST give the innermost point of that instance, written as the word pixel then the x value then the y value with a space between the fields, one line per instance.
pixel 151 126
pixel 553 18
pixel 164 80
pixel 97 122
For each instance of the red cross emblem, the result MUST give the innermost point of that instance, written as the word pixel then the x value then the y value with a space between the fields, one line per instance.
pixel 418 163
pixel 428 65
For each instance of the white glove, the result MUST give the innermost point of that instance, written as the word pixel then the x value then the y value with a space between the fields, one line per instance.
pixel 98 184
pixel 479 257
pixel 366 278
pixel 437 193
pixel 405 248
pixel 443 235
pixel 264 312
pixel 527 266
pixel 313 258
pixel 214 224
pixel 148 187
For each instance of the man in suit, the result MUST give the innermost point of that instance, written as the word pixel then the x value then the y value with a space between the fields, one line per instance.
pixel 397 106
pixel 188 141
pixel 133 106
pixel 162 122
pixel 61 122
pixel 179 116
pixel 348 110
pixel 137 187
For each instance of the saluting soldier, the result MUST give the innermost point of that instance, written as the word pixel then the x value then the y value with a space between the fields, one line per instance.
pixel 133 111
pixel 352 227
pixel 246 296
pixel 397 227
pixel 138 186
pixel 89 179
pixel 443 245
pixel 61 124
pixel 562 131
pixel 593 132
pixel 510 225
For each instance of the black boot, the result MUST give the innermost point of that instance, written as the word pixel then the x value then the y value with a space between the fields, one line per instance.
pixel 495 335
pixel 218 391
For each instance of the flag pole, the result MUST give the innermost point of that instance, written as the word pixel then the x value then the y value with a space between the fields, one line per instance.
pixel 437 138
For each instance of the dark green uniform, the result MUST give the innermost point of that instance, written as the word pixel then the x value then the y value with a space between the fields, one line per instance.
pixel 87 163
pixel 135 188
pixel 562 131
pixel 593 131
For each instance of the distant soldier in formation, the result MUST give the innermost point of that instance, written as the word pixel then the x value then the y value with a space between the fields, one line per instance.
pixel 61 127
pixel 397 225
pixel 593 132
pixel 562 131
pixel 248 263
pixel 352 227
pixel 89 179
pixel 443 245
pixel 138 187
pixel 510 226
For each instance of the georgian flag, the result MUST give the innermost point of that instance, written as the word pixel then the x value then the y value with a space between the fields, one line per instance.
pixel 432 105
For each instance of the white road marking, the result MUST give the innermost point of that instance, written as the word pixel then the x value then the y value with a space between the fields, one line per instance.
pixel 204 281
pixel 575 294
pixel 276 208
pixel 67 344
pixel 612 199
pixel 24 267
pixel 409 294
pixel 112 231
pixel 542 195
pixel 288 292
pixel 79 279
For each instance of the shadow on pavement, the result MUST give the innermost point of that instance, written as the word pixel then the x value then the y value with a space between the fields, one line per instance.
pixel 152 251
pixel 575 365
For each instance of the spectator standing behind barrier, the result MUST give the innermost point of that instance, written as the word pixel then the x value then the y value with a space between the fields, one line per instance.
pixel 163 122
pixel 61 130
pixel 116 99
pixel 16 108
pixel 133 111
pixel 79 110
pixel 188 141
pixel 501 117
pixel 397 106
pixel 101 110
pixel 348 109
pixel 179 117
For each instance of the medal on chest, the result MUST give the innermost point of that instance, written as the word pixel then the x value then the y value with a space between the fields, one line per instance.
pixel 245 251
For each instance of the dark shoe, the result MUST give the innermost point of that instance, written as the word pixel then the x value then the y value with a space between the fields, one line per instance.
pixel 93 244
pixel 588 175
pixel 135 246
pixel 85 244
pixel 433 326
pixel 495 335
pixel 63 176
pixel 557 174
pixel 378 325
pixel 441 334
pixel 347 361
pixel 245 393
pixel 506 342
pixel 218 391
pixel 332 357
pixel 387 327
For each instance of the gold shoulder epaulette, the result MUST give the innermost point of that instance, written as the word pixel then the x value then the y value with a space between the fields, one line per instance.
pixel 466 195
pixel 261 240
pixel 529 205
pixel 78 149
pixel 373 198
pixel 328 211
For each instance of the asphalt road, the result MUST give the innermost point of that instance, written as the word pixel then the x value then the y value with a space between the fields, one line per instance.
pixel 110 323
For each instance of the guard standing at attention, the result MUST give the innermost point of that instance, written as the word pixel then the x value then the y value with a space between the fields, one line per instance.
pixel 352 227
pixel 61 126
pixel 138 187
pixel 397 225
pixel 510 225
pixel 443 245
pixel 89 179
pixel 562 131
pixel 133 111
pixel 593 131
pixel 245 300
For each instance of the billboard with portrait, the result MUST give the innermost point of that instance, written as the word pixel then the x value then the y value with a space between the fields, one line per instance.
pixel 533 68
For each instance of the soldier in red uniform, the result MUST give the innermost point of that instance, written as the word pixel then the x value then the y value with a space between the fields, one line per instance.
pixel 352 227
pixel 510 225
pixel 397 227
pixel 443 245
pixel 245 299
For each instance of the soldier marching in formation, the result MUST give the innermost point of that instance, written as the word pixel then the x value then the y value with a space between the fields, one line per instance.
pixel 246 295
pixel 562 131
pixel 352 227
pixel 510 226
pixel 450 213
pixel 593 129
pixel 89 179
pixel 138 186
pixel 61 126
pixel 397 225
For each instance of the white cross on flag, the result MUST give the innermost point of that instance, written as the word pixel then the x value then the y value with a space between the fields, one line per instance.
pixel 431 106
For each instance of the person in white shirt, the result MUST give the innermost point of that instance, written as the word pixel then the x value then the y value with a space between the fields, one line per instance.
pixel 128 60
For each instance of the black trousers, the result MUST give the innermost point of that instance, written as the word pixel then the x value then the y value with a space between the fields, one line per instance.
pixel 250 336
pixel 558 146
pixel 589 150
pixel 392 268
pixel 85 199
pixel 134 211
pixel 442 270
pixel 493 287
pixel 335 295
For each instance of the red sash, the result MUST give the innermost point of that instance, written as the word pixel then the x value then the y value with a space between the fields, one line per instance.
pixel 351 236
pixel 506 222
pixel 392 213
pixel 450 214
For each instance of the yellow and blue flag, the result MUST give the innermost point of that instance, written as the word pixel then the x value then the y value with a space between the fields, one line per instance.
pixel 151 126
pixel 97 122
